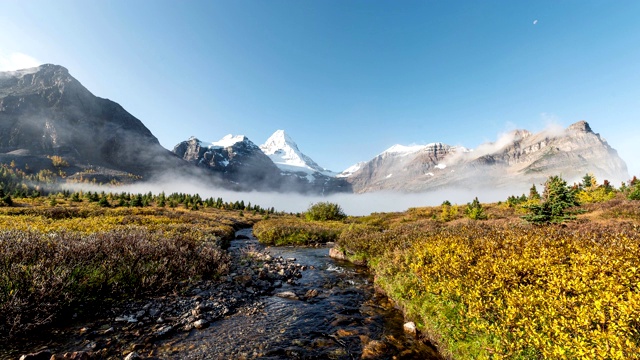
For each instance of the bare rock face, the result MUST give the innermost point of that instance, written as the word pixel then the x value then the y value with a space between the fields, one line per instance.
pixel 519 159
pixel 45 111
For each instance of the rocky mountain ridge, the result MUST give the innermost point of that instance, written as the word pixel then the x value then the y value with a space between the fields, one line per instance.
pixel 518 158
pixel 278 165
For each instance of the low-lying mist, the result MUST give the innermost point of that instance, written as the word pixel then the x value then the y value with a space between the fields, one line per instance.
pixel 352 204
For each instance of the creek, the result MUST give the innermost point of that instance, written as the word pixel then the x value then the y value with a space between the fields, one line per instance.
pixel 345 318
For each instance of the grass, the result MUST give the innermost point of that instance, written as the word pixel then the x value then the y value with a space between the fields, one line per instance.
pixel 296 231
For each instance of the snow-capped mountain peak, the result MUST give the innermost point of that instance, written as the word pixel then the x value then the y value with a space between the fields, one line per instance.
pixel 284 152
pixel 279 140
pixel 228 140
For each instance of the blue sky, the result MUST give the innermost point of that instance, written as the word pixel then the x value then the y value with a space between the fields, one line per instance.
pixel 346 79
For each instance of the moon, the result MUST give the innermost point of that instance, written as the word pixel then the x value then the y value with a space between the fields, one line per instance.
pixel 535 22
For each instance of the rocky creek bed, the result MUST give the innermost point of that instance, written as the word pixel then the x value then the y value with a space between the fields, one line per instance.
pixel 276 303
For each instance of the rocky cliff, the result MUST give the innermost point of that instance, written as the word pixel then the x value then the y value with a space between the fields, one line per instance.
pixel 44 111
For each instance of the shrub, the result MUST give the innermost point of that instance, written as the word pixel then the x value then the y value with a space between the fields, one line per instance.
pixel 515 291
pixel 324 211
pixel 634 190
pixel 449 212
pixel 45 276
pixel 475 211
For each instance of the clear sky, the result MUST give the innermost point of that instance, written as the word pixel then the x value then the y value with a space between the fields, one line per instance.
pixel 345 79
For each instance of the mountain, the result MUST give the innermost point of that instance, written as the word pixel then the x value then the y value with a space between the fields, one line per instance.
pixel 235 158
pixel 277 165
pixel 284 152
pixel 516 159
pixel 44 111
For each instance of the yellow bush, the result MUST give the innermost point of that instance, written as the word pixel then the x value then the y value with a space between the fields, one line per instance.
pixel 492 291
pixel 595 195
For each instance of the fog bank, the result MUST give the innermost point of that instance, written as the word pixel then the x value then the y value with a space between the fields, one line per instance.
pixel 352 204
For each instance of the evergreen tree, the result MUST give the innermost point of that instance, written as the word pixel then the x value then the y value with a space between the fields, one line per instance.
pixel 104 202
pixel 556 199
pixel 533 193
pixel 136 201
pixel 588 180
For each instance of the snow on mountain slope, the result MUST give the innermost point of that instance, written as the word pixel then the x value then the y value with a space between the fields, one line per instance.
pixel 284 152
pixel 228 140
pixel 405 150
pixel 351 169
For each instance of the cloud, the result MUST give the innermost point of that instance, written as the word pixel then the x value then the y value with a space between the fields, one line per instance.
pixel 552 125
pixel 17 61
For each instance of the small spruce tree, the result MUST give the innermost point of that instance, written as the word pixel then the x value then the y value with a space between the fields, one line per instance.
pixel 475 211
pixel 556 199
pixel 104 202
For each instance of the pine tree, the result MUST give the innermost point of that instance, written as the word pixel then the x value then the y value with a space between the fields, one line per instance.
pixel 136 201
pixel 588 180
pixel 104 202
pixel 556 198
pixel 533 193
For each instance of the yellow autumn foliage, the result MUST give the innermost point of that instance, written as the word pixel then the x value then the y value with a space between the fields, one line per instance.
pixel 517 291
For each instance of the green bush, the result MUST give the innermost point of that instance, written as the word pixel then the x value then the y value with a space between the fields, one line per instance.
pixel 475 211
pixel 634 187
pixel 324 211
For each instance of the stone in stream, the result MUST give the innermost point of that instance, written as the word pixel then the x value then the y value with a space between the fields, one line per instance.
pixel 374 349
pixel 132 356
pixel 287 295
pixel 129 319
pixel 163 331
pixel 410 328
pixel 41 355
pixel 337 254
pixel 76 355
pixel 311 293
pixel 201 324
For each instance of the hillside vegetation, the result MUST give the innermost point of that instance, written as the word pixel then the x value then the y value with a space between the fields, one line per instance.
pixel 551 275
pixel 71 253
